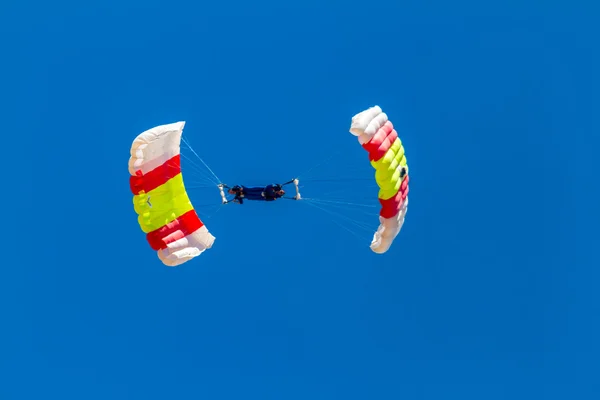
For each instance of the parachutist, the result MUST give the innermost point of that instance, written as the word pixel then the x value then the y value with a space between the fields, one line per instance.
pixel 267 193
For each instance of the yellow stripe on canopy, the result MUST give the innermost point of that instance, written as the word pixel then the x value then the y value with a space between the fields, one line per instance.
pixel 162 205
pixel 387 170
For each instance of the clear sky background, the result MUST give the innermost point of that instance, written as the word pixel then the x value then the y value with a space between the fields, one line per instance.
pixel 489 292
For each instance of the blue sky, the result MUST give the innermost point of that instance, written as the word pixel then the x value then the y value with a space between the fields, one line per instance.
pixel 489 292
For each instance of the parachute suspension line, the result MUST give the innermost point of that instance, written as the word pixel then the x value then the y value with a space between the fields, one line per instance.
pixel 198 186
pixel 363 212
pixel 202 174
pixel 341 202
pixel 213 214
pixel 354 221
pixel 200 158
pixel 359 236
pixel 344 194
pixel 321 163
pixel 208 210
pixel 338 179
pixel 217 181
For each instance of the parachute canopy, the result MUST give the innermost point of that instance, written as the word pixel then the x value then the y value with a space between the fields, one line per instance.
pixel 164 210
pixel 378 137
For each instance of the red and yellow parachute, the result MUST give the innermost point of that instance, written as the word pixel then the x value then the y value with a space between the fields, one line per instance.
pixel 164 210
pixel 377 135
